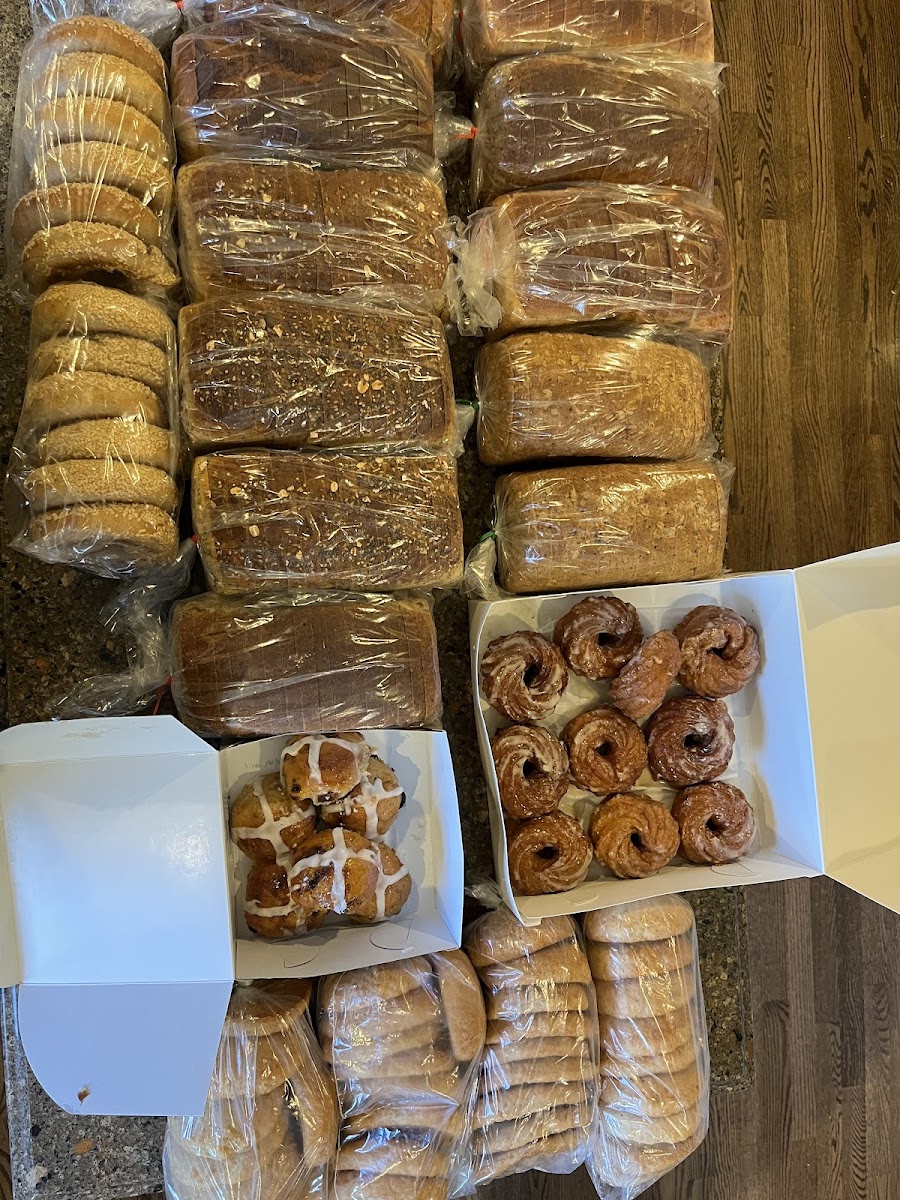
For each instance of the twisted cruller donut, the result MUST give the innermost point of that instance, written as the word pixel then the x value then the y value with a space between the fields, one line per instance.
pixel 523 675
pixel 633 835
pixel 607 751
pixel 640 687
pixel 598 636
pixel 717 824
pixel 532 771
pixel 719 651
pixel 548 854
pixel 689 740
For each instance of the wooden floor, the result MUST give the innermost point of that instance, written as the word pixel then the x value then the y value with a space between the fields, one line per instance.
pixel 810 171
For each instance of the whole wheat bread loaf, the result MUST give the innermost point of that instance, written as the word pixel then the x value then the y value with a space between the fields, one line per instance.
pixel 271 226
pixel 297 371
pixel 610 524
pixel 276 665
pixel 560 118
pixel 280 519
pixel 576 395
pixel 606 252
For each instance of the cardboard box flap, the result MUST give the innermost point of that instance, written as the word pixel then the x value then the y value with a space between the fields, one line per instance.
pixel 850 624
pixel 10 964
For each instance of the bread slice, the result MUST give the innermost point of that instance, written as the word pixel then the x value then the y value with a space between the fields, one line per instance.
pixel 105 353
pixel 101 35
pixel 121 440
pixel 83 481
pixel 134 171
pixel 97 119
pixel 87 73
pixel 85 202
pixel 109 538
pixel 87 395
pixel 79 309
pixel 81 249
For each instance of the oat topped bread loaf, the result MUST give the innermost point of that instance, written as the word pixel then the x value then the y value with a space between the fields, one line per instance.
pixel 281 519
pixel 610 524
pixel 493 29
pixel 269 226
pixel 301 371
pixel 278 664
pixel 577 395
pixel 603 252
pixel 561 118
pixel 285 81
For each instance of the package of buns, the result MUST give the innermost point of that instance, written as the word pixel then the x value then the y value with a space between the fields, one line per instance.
pixel 269 1129
pixel 157 20
pixel 562 395
pixel 404 1041
pixel 305 372
pixel 271 226
pixel 275 664
pixel 432 21
pixel 598 252
pixel 280 519
pixel 607 524
pixel 537 1089
pixel 279 81
pixel 671 29
pixel 94 473
pixel 654 1057
pixel 91 168
pixel 562 118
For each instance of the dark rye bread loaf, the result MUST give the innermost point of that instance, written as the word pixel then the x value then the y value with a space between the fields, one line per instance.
pixel 278 518
pixel 270 226
pixel 296 371
pixel 277 665
pixel 495 29
pixel 286 81
pixel 605 252
pixel 561 118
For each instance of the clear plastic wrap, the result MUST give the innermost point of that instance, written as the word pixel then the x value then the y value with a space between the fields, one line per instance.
pixel 157 20
pixel 404 1041
pixel 598 252
pixel 557 118
pixel 558 395
pixel 537 1095
pixel 611 524
pixel 279 519
pixel 269 1130
pixel 281 82
pixel 654 1061
pixel 271 226
pixel 430 20
pixel 300 371
pixel 94 471
pixel 274 664
pixel 494 29
pixel 90 180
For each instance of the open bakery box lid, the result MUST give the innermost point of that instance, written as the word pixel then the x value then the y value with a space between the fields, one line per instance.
pixel 120 913
pixel 815 727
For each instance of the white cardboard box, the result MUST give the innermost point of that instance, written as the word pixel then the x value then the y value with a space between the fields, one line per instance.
pixel 119 898
pixel 814 729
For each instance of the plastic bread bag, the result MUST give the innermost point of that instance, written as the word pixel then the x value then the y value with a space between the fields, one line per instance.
pixel 157 20
pixel 269 1130
pixel 537 1093
pixel 279 519
pixel 598 252
pixel 274 664
pixel 495 29
pixel 404 1040
pixel 636 393
pixel 295 371
pixel 90 180
pixel 94 474
pixel 654 1057
pixel 271 226
pixel 430 20
pixel 565 118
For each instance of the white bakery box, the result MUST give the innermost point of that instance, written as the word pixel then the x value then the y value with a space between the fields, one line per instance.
pixel 816 730
pixel 121 912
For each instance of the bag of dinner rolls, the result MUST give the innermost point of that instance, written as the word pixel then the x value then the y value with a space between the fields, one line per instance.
pixel 537 1088
pixel 404 1041
pixel 269 1129
pixel 654 1057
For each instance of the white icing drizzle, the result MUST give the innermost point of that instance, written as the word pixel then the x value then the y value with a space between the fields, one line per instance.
pixel 254 908
pixel 315 742
pixel 366 795
pixel 381 887
pixel 272 827
pixel 336 858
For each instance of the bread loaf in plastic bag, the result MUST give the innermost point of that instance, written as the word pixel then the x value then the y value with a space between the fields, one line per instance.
pixel 654 1057
pixel 404 1041
pixel 269 1130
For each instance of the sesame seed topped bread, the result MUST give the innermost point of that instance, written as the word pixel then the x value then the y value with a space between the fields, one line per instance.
pixel 83 481
pixel 87 73
pixel 121 440
pixel 101 35
pixel 110 539
pixel 108 354
pixel 97 119
pixel 87 395
pixel 80 249
pixel 78 309
pixel 83 202
pixel 133 171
